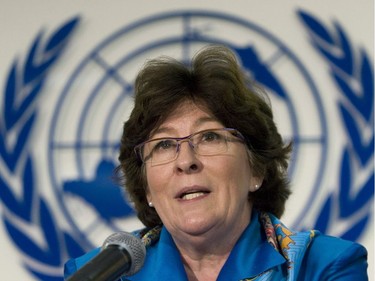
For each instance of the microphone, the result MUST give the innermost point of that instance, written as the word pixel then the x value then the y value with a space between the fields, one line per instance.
pixel 122 254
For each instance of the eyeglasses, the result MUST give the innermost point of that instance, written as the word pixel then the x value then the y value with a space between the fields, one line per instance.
pixel 206 142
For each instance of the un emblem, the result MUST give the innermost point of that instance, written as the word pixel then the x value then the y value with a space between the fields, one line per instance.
pixel 86 128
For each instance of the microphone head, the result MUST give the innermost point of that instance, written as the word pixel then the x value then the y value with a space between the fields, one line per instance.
pixel 133 245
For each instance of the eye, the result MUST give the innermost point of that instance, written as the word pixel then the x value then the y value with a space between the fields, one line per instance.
pixel 211 136
pixel 162 145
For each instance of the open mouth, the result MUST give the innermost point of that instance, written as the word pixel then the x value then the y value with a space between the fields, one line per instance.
pixel 192 194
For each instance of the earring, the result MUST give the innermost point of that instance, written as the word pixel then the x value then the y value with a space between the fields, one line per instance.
pixel 256 187
pixel 150 204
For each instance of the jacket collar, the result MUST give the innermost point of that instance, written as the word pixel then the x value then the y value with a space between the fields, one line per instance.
pixel 251 256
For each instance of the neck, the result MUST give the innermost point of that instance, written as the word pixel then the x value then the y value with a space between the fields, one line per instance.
pixel 204 255
pixel 207 268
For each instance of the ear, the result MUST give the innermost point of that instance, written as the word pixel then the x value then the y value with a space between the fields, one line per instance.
pixel 255 183
pixel 148 195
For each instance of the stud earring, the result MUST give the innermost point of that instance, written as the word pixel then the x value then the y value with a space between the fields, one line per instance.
pixel 256 187
pixel 150 204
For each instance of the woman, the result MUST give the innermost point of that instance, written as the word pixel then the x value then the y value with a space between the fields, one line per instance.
pixel 206 169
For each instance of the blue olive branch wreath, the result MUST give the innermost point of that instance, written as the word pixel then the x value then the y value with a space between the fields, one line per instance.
pixel 25 82
pixel 18 116
pixel 354 77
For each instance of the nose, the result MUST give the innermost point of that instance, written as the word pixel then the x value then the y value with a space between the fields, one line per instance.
pixel 187 161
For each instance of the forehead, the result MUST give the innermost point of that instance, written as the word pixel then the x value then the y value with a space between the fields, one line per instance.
pixel 186 107
pixel 187 114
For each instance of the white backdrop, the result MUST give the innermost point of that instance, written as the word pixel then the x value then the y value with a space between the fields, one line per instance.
pixel 21 21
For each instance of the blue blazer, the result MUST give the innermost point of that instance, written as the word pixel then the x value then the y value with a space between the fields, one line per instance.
pixel 266 250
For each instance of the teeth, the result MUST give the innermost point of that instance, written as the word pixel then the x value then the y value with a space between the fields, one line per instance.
pixel 190 196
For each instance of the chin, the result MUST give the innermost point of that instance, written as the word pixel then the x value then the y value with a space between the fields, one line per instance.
pixel 196 226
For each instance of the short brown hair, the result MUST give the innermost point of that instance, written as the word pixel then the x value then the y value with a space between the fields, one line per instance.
pixel 215 81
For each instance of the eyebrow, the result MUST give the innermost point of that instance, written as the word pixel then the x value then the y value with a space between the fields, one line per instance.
pixel 197 123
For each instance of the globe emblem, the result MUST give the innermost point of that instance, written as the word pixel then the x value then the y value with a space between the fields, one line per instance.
pixel 97 99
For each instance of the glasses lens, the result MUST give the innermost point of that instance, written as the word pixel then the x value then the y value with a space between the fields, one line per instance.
pixel 160 150
pixel 210 142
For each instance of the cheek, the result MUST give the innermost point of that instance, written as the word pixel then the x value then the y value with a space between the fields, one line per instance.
pixel 155 179
pixel 231 171
pixel 240 172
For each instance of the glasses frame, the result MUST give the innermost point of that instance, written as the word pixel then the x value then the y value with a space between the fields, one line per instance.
pixel 138 149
